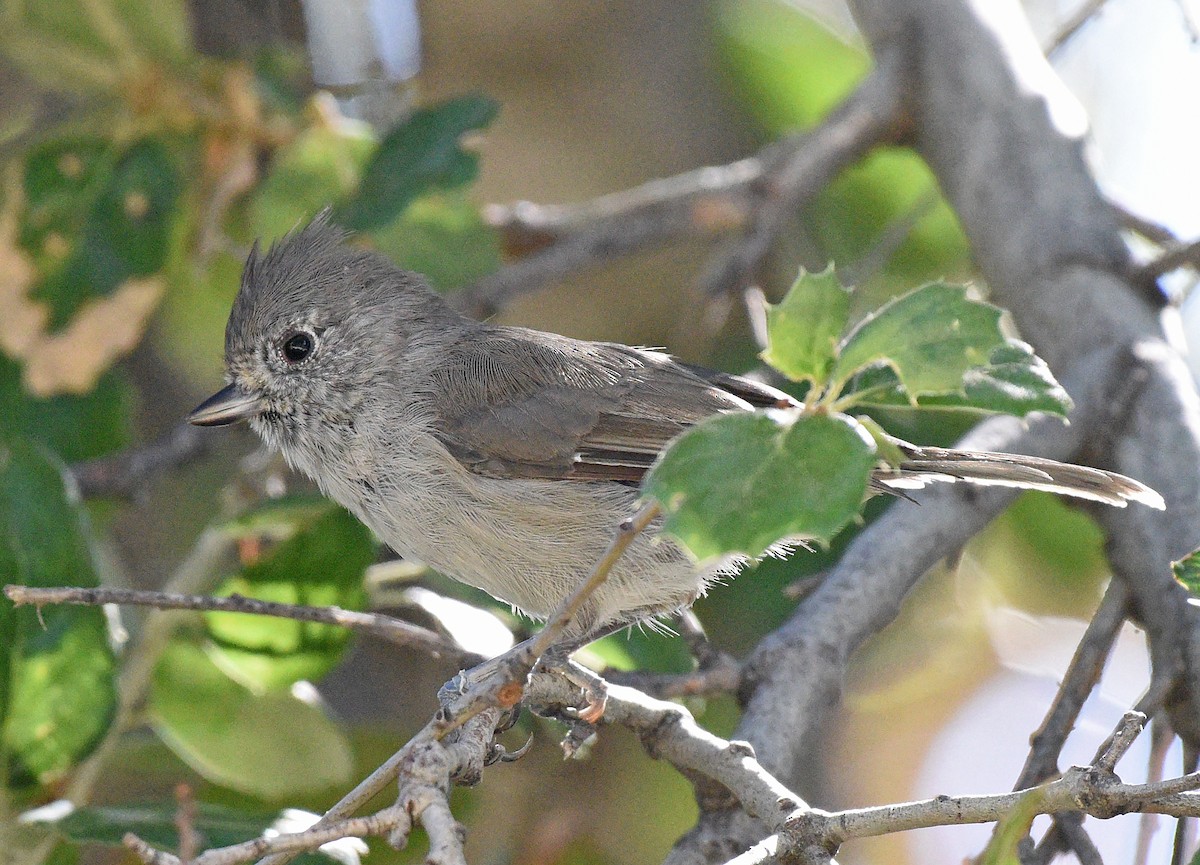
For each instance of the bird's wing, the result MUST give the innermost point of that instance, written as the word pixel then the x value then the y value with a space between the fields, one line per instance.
pixel 519 403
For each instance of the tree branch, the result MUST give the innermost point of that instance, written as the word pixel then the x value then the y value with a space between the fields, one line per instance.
pixel 1083 673
pixel 871 115
pixel 1085 13
pixel 1001 134
pixel 429 763
pixel 757 194
pixel 125 473
pixel 1176 256
pixel 394 630
pixel 1154 232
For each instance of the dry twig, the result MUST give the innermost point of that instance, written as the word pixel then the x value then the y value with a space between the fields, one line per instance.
pixel 125 473
pixel 1173 257
pixel 1085 13
pixel 394 630
pixel 1082 676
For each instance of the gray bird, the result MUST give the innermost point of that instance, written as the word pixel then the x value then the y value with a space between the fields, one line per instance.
pixel 503 457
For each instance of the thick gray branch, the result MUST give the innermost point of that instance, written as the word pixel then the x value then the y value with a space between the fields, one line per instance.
pixel 1003 138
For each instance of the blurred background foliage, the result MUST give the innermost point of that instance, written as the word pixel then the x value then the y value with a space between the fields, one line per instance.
pixel 144 144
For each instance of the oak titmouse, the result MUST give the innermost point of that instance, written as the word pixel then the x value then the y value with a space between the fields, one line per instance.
pixel 502 457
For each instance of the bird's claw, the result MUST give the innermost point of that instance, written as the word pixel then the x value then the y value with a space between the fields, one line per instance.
pixel 499 753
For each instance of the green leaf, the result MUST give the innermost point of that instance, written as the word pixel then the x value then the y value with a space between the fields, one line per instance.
pixel 740 483
pixel 157 824
pixel 803 330
pixel 321 165
pixel 422 153
pixel 444 237
pixel 130 224
pixel 320 565
pixel 59 42
pixel 1187 571
pixel 126 233
pixel 62 178
pixel 1015 381
pixel 57 687
pixel 74 427
pixel 271 745
pixel 58 47
pixel 789 69
pixel 930 336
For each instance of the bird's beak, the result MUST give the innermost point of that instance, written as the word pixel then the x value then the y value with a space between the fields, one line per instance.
pixel 228 405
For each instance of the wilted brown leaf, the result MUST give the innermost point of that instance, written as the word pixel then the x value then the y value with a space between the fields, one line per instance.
pixel 72 359
pixel 21 319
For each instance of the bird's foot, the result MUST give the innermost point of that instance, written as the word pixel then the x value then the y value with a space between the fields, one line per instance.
pixel 498 681
pixel 501 681
pixel 595 689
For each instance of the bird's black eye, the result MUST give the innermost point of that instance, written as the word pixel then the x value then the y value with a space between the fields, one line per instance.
pixel 297 346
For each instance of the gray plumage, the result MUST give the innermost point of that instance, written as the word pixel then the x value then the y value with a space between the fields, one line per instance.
pixel 501 456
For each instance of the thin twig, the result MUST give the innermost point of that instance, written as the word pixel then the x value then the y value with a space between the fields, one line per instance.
pixel 569 609
pixel 716 672
pixel 700 202
pixel 126 473
pixel 1131 726
pixel 1081 677
pixel 364 791
pixel 1174 257
pixel 1191 19
pixel 703 202
pixel 1155 232
pixel 501 681
pixel 195 573
pixel 804 168
pixel 185 823
pixel 394 630
pixel 1076 839
pixel 1180 848
pixel 1161 737
pixel 1073 25
pixel 723 676
pixel 1078 789
pixel 1058 838
pixel 499 691
pixel 292 842
pixel 756 195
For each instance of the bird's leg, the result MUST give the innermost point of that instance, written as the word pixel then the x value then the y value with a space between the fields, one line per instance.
pixel 493 675
pixel 557 659
pixel 497 677
pixel 705 653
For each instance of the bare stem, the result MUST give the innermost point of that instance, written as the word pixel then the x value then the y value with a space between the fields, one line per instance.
pixel 395 630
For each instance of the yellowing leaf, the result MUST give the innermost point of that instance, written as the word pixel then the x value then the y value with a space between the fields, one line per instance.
pixel 71 360
pixel 23 318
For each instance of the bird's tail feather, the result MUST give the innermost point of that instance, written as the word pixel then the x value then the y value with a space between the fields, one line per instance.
pixel 923 465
